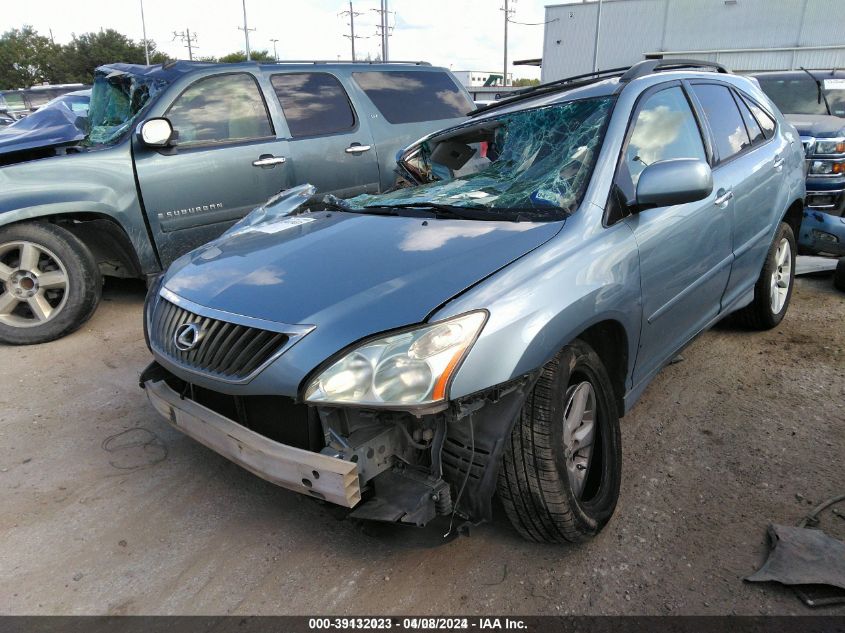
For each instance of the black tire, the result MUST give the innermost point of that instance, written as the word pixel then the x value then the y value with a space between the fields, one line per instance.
pixel 759 314
pixel 73 304
pixel 533 484
pixel 839 275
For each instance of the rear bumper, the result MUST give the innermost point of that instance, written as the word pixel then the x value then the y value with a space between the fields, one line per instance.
pixel 303 471
pixel 822 232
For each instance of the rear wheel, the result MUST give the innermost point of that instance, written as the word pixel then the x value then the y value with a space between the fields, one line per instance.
pixel 49 283
pixel 839 275
pixel 773 290
pixel 561 470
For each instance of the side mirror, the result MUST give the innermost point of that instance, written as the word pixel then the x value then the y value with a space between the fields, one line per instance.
pixel 156 132
pixel 675 181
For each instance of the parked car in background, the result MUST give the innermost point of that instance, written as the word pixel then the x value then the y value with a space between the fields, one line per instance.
pixel 21 102
pixel 174 154
pixel 814 102
pixel 61 121
pixel 409 354
pixel 6 119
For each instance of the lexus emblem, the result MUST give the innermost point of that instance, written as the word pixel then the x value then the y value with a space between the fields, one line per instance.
pixel 187 336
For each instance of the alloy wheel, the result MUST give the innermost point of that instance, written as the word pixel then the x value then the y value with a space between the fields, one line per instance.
pixel 579 429
pixel 33 284
pixel 781 276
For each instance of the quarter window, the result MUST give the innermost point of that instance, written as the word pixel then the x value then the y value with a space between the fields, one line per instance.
pixel 726 123
pixel 665 129
pixel 313 103
pixel 751 125
pixel 220 108
pixel 410 97
pixel 763 118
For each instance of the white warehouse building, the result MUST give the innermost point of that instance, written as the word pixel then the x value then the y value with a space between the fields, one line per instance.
pixel 744 35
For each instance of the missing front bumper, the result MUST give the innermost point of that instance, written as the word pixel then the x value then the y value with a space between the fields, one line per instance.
pixel 312 474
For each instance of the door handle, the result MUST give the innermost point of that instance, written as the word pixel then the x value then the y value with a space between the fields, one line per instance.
pixel 723 197
pixel 357 148
pixel 778 162
pixel 268 160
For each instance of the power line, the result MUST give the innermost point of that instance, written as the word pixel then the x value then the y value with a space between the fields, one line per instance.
pixel 383 28
pixel 188 40
pixel 246 31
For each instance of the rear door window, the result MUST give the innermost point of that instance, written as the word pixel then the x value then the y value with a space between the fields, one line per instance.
pixel 314 103
pixel 411 97
pixel 664 129
pixel 726 123
pixel 220 108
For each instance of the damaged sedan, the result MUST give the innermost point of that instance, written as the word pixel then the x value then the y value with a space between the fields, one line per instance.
pixel 482 329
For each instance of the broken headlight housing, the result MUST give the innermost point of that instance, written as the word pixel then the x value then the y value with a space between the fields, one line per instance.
pixel 827 167
pixel 408 368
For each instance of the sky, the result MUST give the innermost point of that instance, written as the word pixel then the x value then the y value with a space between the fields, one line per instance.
pixel 457 34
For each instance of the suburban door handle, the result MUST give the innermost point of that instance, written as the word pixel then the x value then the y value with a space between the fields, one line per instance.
pixel 778 162
pixel 357 148
pixel 268 160
pixel 723 197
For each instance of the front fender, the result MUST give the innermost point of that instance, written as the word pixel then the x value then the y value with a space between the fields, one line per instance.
pixel 99 182
pixel 544 300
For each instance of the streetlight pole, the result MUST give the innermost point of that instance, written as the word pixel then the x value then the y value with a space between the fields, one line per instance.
pixel 275 54
pixel 144 29
pixel 596 45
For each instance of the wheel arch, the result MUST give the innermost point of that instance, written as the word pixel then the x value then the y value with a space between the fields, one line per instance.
pixel 106 239
pixel 794 215
pixel 609 340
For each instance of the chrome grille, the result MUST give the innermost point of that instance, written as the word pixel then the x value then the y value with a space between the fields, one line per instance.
pixel 226 350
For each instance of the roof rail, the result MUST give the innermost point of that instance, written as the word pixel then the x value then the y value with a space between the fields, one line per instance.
pixel 552 86
pixel 344 61
pixel 649 66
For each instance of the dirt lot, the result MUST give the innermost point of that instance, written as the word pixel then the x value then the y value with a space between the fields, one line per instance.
pixel 108 510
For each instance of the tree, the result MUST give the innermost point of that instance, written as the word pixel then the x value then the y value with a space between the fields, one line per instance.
pixel 27 58
pixel 240 56
pixel 526 82
pixel 89 50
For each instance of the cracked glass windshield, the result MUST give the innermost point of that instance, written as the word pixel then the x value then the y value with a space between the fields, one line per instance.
pixel 117 99
pixel 532 164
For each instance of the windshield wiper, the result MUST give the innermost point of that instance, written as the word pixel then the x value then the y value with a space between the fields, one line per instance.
pixel 450 210
pixel 821 94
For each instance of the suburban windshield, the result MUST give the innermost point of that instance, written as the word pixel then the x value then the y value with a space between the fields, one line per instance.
pixel 116 101
pixel 801 95
pixel 532 164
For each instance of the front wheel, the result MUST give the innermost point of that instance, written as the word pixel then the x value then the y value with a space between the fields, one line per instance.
pixel 49 283
pixel 773 289
pixel 561 469
pixel 839 275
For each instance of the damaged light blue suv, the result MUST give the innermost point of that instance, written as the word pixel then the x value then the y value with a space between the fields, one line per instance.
pixel 482 328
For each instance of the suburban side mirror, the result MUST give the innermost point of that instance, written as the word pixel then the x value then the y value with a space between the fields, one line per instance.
pixel 675 181
pixel 156 132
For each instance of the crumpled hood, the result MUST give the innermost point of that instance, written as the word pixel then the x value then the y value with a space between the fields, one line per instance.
pixel 48 127
pixel 817 125
pixel 363 272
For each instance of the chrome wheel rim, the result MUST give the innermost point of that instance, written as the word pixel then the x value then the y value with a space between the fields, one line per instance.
pixel 579 429
pixel 33 284
pixel 781 277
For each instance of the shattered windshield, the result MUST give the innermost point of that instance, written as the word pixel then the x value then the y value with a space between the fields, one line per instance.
pixel 117 99
pixel 533 164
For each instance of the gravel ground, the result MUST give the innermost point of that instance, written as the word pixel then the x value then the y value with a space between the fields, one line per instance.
pixel 108 510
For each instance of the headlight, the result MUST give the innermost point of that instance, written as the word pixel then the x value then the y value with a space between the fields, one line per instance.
pixel 827 167
pixel 831 146
pixel 409 368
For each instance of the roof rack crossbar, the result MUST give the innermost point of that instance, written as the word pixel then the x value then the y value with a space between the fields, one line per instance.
pixel 650 66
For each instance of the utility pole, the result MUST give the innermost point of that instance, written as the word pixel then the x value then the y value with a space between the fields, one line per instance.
pixel 351 37
pixel 596 45
pixel 246 31
pixel 188 40
pixel 383 29
pixel 508 12
pixel 144 30
pixel 275 54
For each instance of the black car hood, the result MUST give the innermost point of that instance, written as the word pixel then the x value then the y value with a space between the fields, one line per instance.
pixel 817 125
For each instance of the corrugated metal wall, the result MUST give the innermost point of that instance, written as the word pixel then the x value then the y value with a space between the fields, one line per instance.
pixel 716 30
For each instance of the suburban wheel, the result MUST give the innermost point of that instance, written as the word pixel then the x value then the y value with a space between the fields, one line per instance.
pixel 561 470
pixel 49 283
pixel 774 286
pixel 839 275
